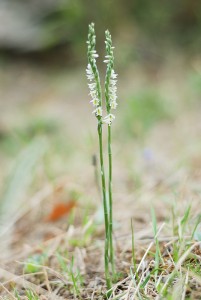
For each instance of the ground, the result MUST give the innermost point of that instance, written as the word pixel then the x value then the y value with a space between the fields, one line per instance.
pixel 48 141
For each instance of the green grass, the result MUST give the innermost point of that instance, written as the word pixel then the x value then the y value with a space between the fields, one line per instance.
pixel 30 295
pixel 185 265
pixel 72 273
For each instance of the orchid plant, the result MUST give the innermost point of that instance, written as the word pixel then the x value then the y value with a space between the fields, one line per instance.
pixel 110 97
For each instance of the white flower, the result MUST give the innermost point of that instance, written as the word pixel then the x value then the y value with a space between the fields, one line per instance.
pixel 113 97
pixel 113 104
pixel 93 94
pixel 89 72
pixel 94 54
pixel 109 119
pixel 112 89
pixel 113 74
pixel 113 82
pixel 92 86
pixel 95 102
pixel 98 111
pixel 108 59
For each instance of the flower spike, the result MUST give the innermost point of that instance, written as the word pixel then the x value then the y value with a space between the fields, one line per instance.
pixel 93 74
pixel 110 80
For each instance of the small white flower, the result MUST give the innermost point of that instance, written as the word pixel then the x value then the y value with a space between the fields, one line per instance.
pixel 98 111
pixel 108 58
pixel 113 104
pixel 109 119
pixel 89 72
pixel 92 86
pixel 113 88
pixel 94 55
pixel 95 102
pixel 113 82
pixel 113 97
pixel 113 74
pixel 93 94
pixel 89 69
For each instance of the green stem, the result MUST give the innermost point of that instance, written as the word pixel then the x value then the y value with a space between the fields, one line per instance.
pixel 110 201
pixel 107 228
pixel 111 249
pixel 106 255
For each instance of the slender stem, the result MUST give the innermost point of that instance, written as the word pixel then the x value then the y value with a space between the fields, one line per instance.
pixel 106 256
pixel 111 249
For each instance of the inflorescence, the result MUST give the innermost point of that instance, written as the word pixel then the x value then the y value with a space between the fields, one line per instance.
pixel 93 77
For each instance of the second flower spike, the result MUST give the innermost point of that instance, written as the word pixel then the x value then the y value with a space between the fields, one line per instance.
pixel 110 80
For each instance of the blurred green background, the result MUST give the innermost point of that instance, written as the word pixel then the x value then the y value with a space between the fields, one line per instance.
pixel 142 25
